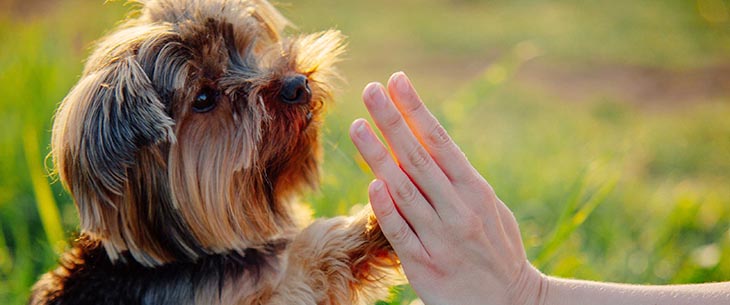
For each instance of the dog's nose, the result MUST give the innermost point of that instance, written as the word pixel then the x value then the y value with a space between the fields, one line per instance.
pixel 295 90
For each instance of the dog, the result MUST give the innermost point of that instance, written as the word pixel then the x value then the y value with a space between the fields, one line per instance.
pixel 185 143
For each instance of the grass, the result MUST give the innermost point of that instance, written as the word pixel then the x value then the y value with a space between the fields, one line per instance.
pixel 604 188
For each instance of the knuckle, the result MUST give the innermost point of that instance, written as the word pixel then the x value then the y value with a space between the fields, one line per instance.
pixel 438 265
pixel 472 225
pixel 380 156
pixel 472 232
pixel 386 213
pixel 413 109
pixel 485 190
pixel 474 181
pixel 438 137
pixel 406 193
pixel 418 157
pixel 392 121
pixel 401 234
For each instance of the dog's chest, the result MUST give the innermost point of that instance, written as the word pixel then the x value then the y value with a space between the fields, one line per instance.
pixel 89 277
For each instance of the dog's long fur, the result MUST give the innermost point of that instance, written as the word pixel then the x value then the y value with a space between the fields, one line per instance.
pixel 199 207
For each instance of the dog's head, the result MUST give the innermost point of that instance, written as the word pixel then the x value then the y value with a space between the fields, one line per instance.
pixel 192 126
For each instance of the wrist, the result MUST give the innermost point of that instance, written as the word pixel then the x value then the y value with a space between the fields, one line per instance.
pixel 530 287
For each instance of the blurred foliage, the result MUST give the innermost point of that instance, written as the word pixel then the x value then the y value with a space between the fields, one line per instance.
pixel 604 188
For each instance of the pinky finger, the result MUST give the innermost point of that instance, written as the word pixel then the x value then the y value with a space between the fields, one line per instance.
pixel 405 242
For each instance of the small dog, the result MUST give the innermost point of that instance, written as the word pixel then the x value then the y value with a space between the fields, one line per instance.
pixel 192 130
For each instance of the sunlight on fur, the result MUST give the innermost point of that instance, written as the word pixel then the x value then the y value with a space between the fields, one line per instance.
pixel 185 144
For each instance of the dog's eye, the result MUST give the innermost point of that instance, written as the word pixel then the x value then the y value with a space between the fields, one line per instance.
pixel 205 101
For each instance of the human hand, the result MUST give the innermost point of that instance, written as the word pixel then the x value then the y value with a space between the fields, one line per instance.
pixel 458 243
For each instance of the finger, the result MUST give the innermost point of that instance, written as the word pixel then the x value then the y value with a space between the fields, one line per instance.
pixel 405 242
pixel 412 157
pixel 412 205
pixel 470 186
pixel 429 131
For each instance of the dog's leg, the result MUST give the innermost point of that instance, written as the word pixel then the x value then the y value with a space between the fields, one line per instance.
pixel 343 260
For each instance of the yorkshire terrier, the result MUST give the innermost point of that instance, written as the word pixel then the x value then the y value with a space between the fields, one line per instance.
pixel 185 143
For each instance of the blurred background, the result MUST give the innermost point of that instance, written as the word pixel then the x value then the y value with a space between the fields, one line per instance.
pixel 604 125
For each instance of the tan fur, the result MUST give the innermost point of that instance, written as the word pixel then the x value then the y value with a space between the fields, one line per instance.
pixel 159 183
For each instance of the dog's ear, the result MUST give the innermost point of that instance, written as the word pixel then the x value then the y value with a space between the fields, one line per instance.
pixel 112 113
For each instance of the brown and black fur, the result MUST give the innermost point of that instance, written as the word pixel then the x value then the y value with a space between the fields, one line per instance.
pixel 188 204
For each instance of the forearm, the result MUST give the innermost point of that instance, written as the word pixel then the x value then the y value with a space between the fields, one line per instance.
pixel 569 292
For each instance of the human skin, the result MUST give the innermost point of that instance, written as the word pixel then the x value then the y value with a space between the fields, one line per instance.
pixel 457 241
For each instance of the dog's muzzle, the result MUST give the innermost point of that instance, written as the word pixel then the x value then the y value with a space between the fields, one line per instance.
pixel 295 90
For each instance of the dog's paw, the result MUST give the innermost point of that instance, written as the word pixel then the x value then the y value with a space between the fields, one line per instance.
pixel 375 258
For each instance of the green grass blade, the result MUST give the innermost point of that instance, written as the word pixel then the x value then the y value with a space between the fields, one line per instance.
pixel 573 216
pixel 592 203
pixel 557 236
pixel 46 204
pixel 6 262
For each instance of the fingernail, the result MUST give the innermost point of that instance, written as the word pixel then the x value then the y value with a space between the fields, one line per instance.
pixel 361 130
pixel 375 93
pixel 402 84
pixel 377 186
